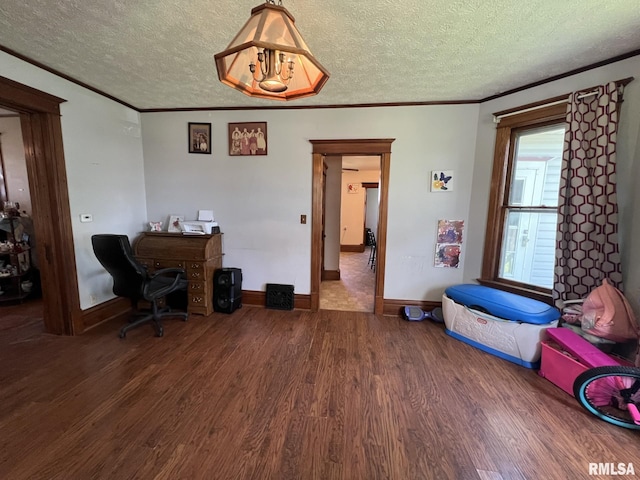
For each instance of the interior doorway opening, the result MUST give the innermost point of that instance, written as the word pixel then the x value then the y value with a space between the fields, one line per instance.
pixel 46 170
pixel 349 229
pixel 381 148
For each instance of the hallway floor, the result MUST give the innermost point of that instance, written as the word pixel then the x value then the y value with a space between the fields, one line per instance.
pixel 354 291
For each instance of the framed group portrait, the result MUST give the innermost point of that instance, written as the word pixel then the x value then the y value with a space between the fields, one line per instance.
pixel 248 138
pixel 199 138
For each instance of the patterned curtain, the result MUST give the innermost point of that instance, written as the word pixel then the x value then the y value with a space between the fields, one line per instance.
pixel 587 239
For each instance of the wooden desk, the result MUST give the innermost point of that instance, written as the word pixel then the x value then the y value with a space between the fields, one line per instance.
pixel 199 255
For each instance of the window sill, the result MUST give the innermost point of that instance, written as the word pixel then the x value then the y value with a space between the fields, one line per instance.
pixel 543 296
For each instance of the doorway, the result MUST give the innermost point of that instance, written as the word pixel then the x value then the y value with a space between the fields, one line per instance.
pixel 46 171
pixel 350 211
pixel 364 147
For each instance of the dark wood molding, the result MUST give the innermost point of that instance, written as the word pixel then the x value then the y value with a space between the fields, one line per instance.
pixel 66 77
pixel 370 184
pixel 617 58
pixel 560 76
pixel 312 107
pixel 118 307
pixel 505 144
pixel 352 248
pixel 544 295
pixel 46 171
pixel 395 307
pixel 353 146
pixel 256 298
pixel 330 275
pixel 22 98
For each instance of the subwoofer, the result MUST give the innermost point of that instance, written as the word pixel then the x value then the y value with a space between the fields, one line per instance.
pixel 227 289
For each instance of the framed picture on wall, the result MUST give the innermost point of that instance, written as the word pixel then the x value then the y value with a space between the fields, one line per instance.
pixel 248 138
pixel 199 138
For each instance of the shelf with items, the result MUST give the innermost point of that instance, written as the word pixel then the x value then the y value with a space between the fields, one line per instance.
pixel 15 261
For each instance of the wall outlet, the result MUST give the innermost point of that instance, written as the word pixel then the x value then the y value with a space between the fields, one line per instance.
pixel 86 217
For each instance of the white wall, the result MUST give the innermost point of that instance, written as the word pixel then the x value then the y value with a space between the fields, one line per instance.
pixel 628 160
pixel 103 155
pixel 258 200
pixel 353 205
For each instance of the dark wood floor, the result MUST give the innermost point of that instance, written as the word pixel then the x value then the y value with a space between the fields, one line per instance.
pixel 267 394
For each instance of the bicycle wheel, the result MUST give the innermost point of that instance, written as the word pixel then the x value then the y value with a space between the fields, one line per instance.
pixel 606 391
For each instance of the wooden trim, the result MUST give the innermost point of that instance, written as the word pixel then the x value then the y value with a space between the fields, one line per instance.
pixel 395 307
pixel 46 171
pixel 312 107
pixel 617 58
pixel 317 203
pixel 118 307
pixel 586 68
pixel 381 236
pixel 352 147
pixel 22 98
pixel 499 193
pixel 66 77
pixel 352 248
pixel 493 232
pixel 541 115
pixel 330 275
pixel 370 184
pixel 381 147
pixel 517 289
pixel 256 298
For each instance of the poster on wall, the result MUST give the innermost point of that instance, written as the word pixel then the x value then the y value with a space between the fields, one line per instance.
pixel 448 243
pixel 442 180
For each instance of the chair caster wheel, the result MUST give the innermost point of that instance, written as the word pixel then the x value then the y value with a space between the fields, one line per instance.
pixel 160 332
pixel 122 334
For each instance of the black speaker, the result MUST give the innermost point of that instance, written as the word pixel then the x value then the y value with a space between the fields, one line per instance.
pixel 227 290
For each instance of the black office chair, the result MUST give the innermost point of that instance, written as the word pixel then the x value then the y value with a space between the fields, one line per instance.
pixel 131 280
pixel 371 241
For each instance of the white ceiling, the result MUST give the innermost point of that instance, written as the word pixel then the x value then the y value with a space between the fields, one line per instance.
pixel 159 53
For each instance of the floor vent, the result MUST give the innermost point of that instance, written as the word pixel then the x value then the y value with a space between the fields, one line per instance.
pixel 279 297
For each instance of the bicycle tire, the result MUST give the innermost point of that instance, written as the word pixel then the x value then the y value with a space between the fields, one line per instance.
pixel 585 391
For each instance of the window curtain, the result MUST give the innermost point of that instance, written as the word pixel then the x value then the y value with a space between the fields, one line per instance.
pixel 587 239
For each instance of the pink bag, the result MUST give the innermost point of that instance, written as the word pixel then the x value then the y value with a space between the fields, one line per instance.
pixel 607 314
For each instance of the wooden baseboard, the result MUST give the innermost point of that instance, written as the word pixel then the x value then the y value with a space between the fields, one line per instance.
pixel 395 307
pixel 114 308
pixel 259 299
pixel 330 275
pixel 352 248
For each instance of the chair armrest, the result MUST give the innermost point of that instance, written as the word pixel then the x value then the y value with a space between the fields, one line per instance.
pixel 176 274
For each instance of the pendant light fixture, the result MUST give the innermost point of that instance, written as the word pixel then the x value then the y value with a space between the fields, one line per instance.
pixel 269 59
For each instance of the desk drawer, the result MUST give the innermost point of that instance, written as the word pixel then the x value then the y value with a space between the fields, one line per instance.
pixel 197 287
pixel 198 300
pixel 158 264
pixel 195 271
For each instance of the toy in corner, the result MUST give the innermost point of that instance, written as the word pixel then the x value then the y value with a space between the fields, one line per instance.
pixel 417 314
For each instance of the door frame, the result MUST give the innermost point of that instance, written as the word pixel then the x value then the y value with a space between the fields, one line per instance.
pixel 380 147
pixel 46 170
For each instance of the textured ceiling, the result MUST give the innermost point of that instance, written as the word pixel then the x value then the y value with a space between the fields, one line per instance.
pixel 159 53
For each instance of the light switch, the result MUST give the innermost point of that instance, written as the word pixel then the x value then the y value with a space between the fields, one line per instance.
pixel 86 217
pixel 303 219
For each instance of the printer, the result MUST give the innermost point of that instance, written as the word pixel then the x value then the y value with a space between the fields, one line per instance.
pixel 205 224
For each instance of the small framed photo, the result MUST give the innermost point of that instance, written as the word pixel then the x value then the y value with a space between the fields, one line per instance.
pixel 175 222
pixel 200 138
pixel 248 138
